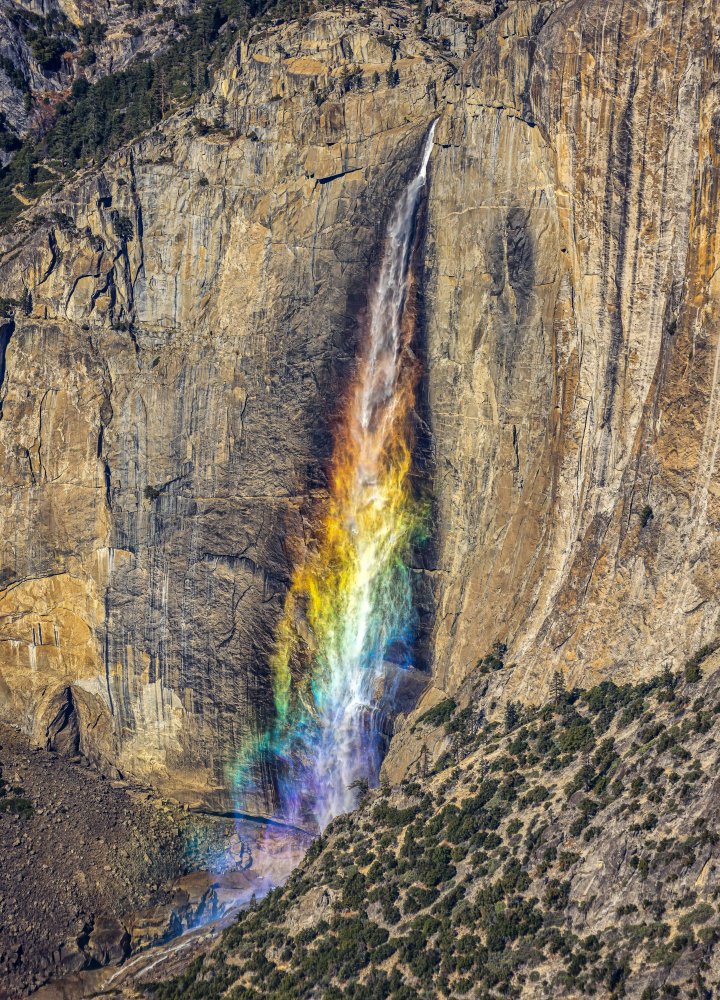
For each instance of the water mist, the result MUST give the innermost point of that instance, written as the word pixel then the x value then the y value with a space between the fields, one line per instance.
pixel 349 611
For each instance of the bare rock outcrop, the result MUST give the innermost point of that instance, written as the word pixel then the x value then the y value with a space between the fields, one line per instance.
pixel 572 345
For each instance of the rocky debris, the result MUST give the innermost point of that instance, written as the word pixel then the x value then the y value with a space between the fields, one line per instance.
pixel 84 862
pixel 166 939
pixel 109 941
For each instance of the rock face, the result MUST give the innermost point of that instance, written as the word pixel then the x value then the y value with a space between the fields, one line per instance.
pixel 187 315
pixel 46 45
pixel 572 346
pixel 165 404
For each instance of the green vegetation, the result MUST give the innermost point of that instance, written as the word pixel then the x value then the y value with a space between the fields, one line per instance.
pixel 96 119
pixel 692 667
pixel 13 800
pixel 438 714
pixel 482 879
pixel 48 37
pixel 16 804
pixel 495 660
pixel 9 142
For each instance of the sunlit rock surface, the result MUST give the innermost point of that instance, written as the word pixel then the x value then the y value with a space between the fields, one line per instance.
pixel 188 318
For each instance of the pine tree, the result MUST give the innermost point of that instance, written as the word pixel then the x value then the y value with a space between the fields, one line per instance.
pixel 221 116
pixel 668 680
pixel 421 15
pixel 477 720
pixel 409 847
pixel 424 762
pixel 361 786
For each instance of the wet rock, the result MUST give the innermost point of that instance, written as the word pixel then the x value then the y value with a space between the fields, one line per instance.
pixel 71 958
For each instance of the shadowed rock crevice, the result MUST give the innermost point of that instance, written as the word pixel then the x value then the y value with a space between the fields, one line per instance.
pixel 7 328
pixel 62 734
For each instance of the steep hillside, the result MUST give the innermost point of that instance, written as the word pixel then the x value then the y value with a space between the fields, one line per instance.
pixel 570 851
pixel 79 80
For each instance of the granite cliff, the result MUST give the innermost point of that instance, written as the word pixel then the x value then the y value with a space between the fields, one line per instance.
pixel 180 324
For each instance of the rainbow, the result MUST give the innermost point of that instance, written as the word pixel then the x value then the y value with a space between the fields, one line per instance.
pixel 349 610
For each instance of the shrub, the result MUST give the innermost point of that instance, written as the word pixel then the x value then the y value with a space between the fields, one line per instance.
pixel 576 736
pixel 18 805
pixel 700 915
pixel 535 796
pixel 439 714
pixel 418 898
pixel 391 816
pixel 692 667
pixel 122 227
pixel 512 715
pixel 354 890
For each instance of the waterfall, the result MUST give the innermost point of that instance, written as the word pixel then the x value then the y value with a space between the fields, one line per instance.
pixel 349 613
